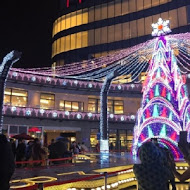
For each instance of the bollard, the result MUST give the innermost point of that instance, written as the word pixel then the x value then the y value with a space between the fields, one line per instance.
pixel 105 182
pixel 40 186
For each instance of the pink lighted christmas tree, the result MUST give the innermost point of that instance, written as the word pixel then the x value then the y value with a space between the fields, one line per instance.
pixel 165 109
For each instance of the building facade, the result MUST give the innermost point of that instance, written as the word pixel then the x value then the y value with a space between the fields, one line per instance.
pixel 92 28
pixel 44 107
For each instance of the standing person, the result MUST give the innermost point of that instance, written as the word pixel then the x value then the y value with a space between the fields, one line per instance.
pixel 38 153
pixel 13 146
pixel 74 148
pixel 28 153
pixel 20 151
pixel 84 148
pixel 51 149
pixel 7 164
pixel 151 174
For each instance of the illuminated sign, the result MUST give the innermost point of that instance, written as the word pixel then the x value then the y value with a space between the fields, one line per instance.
pixel 68 1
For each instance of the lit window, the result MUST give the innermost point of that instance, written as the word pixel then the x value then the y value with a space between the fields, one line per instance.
pixel 71 106
pixel 47 101
pixel 92 105
pixel 113 106
pixel 15 97
pixel 118 107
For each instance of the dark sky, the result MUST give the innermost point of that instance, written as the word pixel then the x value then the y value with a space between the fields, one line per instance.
pixel 26 26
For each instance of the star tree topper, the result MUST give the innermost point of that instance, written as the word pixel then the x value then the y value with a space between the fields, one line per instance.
pixel 162 27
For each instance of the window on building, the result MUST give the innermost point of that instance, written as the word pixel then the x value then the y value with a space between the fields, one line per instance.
pixel 113 106
pixel 47 101
pixel 93 105
pixel 15 97
pixel 71 105
pixel 118 106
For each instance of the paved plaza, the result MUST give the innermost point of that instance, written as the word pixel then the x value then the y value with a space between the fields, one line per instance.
pixel 81 167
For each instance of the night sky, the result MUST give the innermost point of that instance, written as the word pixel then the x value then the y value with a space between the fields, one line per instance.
pixel 26 26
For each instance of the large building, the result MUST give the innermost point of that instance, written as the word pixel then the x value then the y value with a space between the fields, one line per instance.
pixel 92 28
pixel 45 106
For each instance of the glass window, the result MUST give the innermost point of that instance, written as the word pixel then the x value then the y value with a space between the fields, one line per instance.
pixel 68 21
pixel 68 43
pixel 58 24
pixel 118 33
pixel 163 1
pixel 47 101
pixel 113 106
pixel 73 41
pixel 97 36
pixel 79 40
pixel 110 106
pixel 19 97
pixel 79 17
pixel 55 28
pixel 92 105
pixel 141 27
pixel 117 8
pixel 155 18
pixel 147 4
pixel 67 106
pixel 91 14
pixel 111 9
pixel 62 44
pixel 84 37
pixel 125 7
pixel 93 138
pixel 133 29
pixel 140 5
pixel 54 48
pixel 73 19
pixel 173 18
pixel 182 16
pixel 104 11
pixel 155 2
pixel 132 6
pixel 59 46
pixel 165 15
pixel 123 139
pixel 63 22
pixel 104 36
pixel 98 12
pixel 110 33
pixel 129 139
pixel 7 96
pixel 126 31
pixel 85 16
pixel 91 37
pixel 148 22
pixel 118 107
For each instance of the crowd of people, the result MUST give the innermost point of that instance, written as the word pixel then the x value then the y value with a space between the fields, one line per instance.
pixel 33 151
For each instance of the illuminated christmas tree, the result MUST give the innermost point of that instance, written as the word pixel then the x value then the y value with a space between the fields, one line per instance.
pixel 165 106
